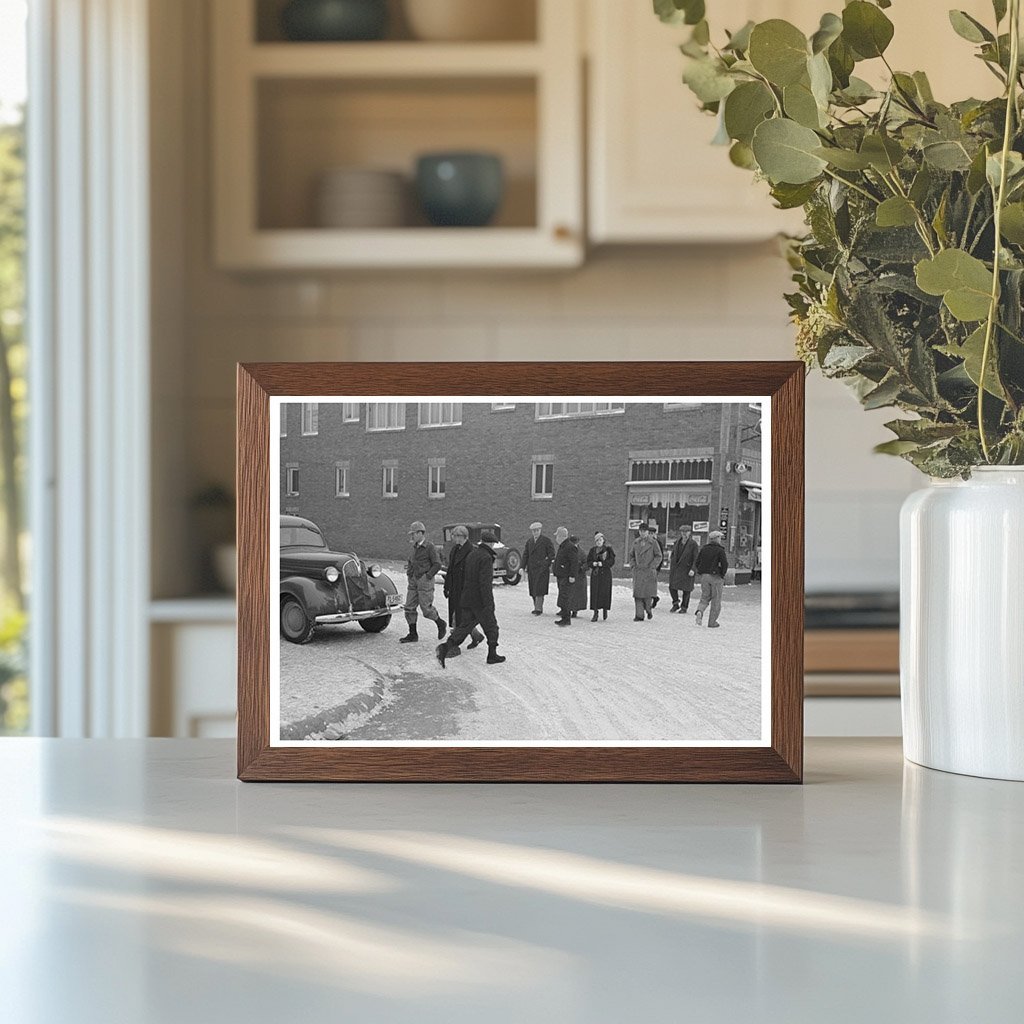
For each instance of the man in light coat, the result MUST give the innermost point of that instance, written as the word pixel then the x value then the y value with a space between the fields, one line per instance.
pixel 644 559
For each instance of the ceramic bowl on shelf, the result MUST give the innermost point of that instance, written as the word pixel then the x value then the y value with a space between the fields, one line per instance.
pixel 471 20
pixel 332 21
pixel 460 189
pixel 361 198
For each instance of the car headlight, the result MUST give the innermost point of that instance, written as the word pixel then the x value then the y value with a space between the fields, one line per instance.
pixel 373 570
pixel 331 574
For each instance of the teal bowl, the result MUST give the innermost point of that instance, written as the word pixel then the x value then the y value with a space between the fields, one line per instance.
pixel 334 21
pixel 460 190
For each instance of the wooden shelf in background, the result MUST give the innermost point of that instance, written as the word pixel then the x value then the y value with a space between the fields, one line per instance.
pixel 852 650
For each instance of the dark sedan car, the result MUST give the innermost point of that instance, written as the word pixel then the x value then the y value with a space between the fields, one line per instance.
pixel 508 562
pixel 321 587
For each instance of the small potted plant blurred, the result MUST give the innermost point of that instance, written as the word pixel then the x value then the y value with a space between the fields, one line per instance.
pixel 214 509
pixel 910 290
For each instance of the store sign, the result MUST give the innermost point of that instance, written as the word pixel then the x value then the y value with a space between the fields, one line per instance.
pixel 634 524
pixel 640 499
pixel 701 527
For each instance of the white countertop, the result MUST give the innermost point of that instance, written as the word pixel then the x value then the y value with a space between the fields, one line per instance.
pixel 143 885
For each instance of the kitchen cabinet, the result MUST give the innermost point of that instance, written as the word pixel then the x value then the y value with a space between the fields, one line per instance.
pixel 287 113
pixel 653 175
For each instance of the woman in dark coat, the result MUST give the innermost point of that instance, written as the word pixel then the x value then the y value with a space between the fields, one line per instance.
pixel 578 596
pixel 600 560
pixel 683 570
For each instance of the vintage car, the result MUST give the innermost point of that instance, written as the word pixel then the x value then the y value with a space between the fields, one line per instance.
pixel 322 587
pixel 508 562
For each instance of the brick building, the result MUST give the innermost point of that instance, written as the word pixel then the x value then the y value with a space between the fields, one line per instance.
pixel 363 471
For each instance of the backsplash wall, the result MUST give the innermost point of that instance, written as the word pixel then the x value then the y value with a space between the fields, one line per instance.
pixel 651 303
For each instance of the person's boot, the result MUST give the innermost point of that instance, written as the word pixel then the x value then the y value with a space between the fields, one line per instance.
pixel 443 651
pixel 674 608
pixel 412 636
pixel 699 617
pixel 563 620
pixel 605 614
pixel 493 657
pixel 475 640
pixel 638 614
pixel 442 628
pixel 594 619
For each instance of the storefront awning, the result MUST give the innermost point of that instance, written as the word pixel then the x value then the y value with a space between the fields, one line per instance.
pixel 666 497
pixel 753 489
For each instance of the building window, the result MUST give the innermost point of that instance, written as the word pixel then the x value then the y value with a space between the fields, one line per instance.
pixel 543 479
pixel 341 479
pixel 385 416
pixel 310 418
pixel 350 412
pixel 284 420
pixel 435 481
pixel 502 406
pixel 565 410
pixel 440 414
pixel 671 470
pixel 684 405
pixel 389 485
pixel 291 482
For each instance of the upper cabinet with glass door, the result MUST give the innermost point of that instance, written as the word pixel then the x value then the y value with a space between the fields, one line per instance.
pixel 654 175
pixel 318 136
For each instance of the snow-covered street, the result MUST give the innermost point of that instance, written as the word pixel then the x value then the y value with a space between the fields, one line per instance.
pixel 663 679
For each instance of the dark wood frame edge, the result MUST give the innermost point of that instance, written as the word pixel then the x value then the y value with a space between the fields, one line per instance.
pixel 781 762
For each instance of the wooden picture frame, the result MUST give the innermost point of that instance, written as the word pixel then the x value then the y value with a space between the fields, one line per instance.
pixel 779 759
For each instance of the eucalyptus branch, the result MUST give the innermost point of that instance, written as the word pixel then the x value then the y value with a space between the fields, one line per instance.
pixel 853 185
pixel 1000 198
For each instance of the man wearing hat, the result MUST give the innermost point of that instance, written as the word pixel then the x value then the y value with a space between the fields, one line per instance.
pixel 477 604
pixel 420 570
pixel 538 555
pixel 712 565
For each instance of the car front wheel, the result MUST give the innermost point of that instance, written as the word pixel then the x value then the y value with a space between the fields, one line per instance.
pixel 375 625
pixel 513 564
pixel 296 626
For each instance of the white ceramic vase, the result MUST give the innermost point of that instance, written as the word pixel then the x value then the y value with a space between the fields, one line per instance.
pixel 962 624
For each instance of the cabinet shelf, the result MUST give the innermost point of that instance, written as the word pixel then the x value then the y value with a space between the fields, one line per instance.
pixel 393 60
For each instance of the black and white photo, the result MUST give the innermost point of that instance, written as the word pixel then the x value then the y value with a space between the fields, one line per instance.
pixel 520 571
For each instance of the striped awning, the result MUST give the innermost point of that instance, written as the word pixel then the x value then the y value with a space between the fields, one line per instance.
pixel 666 497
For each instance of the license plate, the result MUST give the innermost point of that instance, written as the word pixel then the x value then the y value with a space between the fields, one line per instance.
pixel 394 599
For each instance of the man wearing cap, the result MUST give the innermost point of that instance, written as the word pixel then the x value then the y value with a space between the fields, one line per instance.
pixel 423 564
pixel 538 555
pixel 568 561
pixel 477 604
pixel 712 565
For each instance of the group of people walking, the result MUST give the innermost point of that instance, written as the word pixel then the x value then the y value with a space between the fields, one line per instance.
pixel 563 558
pixel 469 581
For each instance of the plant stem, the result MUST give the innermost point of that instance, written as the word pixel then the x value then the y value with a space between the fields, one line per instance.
pixel 993 308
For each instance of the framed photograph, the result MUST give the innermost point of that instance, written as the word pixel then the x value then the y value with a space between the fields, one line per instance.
pixel 520 572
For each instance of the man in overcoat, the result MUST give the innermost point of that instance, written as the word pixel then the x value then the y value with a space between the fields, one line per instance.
pixel 645 558
pixel 455 578
pixel 538 555
pixel 683 570
pixel 423 565
pixel 566 569
pixel 476 606
pixel 712 565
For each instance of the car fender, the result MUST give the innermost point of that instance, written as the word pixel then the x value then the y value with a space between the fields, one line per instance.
pixel 316 597
pixel 386 583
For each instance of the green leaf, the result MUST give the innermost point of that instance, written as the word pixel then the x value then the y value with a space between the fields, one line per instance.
pixel 676 12
pixel 745 108
pixel 976 173
pixel 883 153
pixel 963 281
pixel 994 167
pixel 707 80
pixel 866 29
pixel 701 33
pixel 789 197
pixel 999 7
pixel 785 152
pixel 800 105
pixel 896 212
pixel 829 30
pixel 921 185
pixel 947 156
pixel 778 50
pixel 1011 226
pixel 844 159
pixel 923 431
pixel 895 447
pixel 971 352
pixel 820 76
pixel 739 41
pixel 742 155
pixel 841 60
pixel 924 88
pixel 885 394
pixel 968 28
